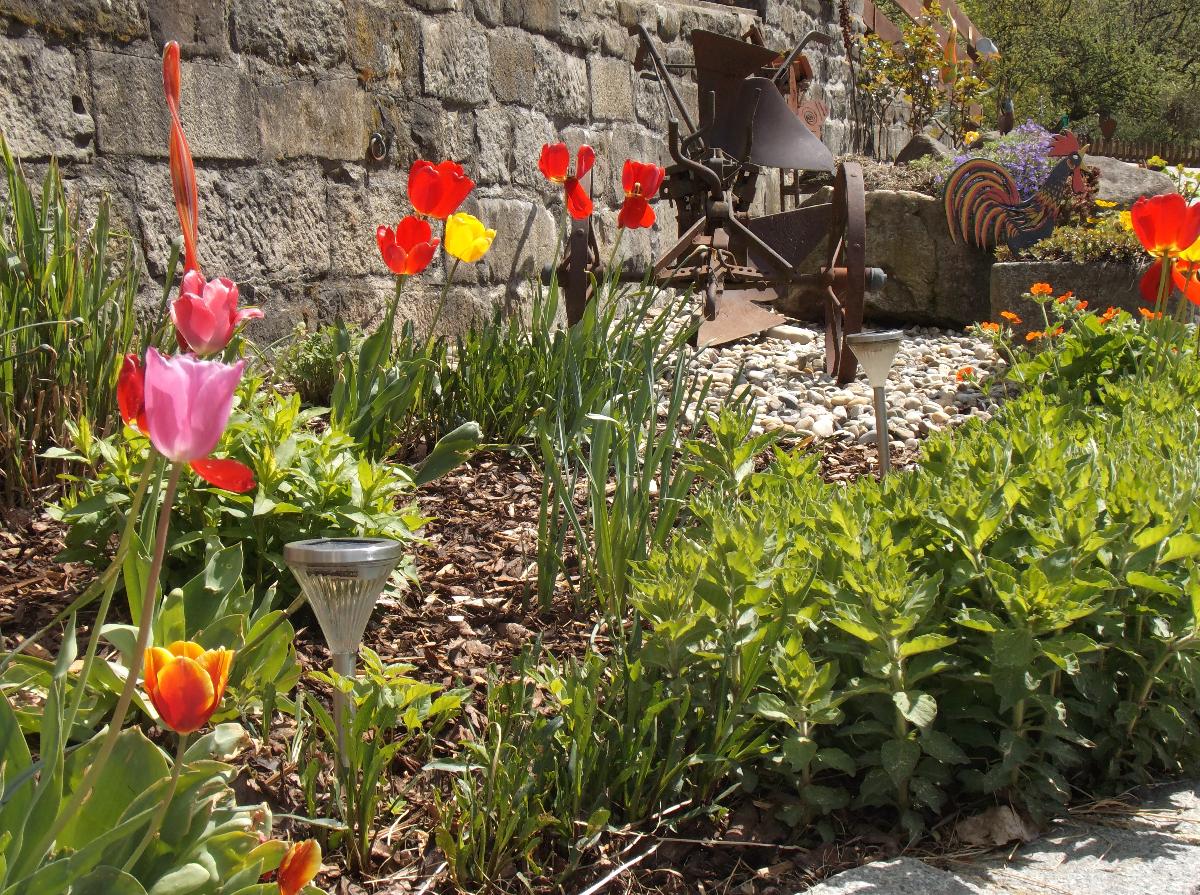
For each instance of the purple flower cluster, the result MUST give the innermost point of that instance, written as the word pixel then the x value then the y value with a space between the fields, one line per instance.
pixel 1024 152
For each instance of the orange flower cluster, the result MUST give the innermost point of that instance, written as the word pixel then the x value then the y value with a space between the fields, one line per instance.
pixel 1041 289
pixel 1011 317
pixel 1109 315
pixel 1066 297
pixel 1150 315
pixel 990 327
pixel 964 373
pixel 1081 306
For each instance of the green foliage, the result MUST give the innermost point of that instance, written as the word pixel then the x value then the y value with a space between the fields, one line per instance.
pixel 310 361
pixel 310 483
pixel 66 318
pixel 391 712
pixel 1131 58
pixel 1103 239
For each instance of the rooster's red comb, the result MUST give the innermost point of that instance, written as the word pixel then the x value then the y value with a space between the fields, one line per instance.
pixel 1064 144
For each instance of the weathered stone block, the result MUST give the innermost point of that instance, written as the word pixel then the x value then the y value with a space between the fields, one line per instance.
pixel 560 83
pixel 432 132
pixel 42 109
pixel 513 59
pixel 257 225
pixel 200 26
pixel 541 16
pixel 285 32
pixel 218 107
pixel 383 41
pixel 525 240
pixel 454 61
pixel 119 19
pixel 357 206
pixel 326 119
pixel 612 89
pixel 530 131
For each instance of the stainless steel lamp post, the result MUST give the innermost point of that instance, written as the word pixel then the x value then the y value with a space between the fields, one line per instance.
pixel 343 579
pixel 876 352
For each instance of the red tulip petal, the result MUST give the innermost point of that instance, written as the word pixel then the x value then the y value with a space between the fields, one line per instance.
pixel 228 475
pixel 131 391
pixel 411 231
pixel 300 864
pixel 424 186
pixel 629 176
pixel 456 186
pixel 554 162
pixel 635 212
pixel 579 203
pixel 653 180
pixel 584 159
pixel 1187 280
pixel 1189 228
pixel 1149 284
pixel 420 256
pixel 384 238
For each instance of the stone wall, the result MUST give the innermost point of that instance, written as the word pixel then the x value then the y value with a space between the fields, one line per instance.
pixel 280 98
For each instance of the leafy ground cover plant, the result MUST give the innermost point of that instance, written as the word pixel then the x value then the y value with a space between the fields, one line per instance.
pixel 66 319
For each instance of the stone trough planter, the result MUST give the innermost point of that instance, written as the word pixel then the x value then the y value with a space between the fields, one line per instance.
pixel 1099 284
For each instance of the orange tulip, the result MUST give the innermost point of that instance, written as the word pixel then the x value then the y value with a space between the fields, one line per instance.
pixel 299 866
pixel 185 682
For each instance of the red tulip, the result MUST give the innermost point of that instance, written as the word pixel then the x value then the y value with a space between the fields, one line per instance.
pixel 409 248
pixel 1166 225
pixel 131 393
pixel 438 190
pixel 229 475
pixel 555 165
pixel 641 182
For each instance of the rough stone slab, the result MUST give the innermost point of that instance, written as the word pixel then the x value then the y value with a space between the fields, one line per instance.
pixel 119 19
pixel 256 225
pixel 513 59
pixel 1123 183
pixel 455 61
pixel 1101 285
pixel 285 32
pixel 200 26
pixel 360 202
pixel 327 119
pixel 383 40
pixel 525 239
pixel 1086 860
pixel 541 16
pixel 218 108
pixel 903 876
pixel 42 107
pixel 612 89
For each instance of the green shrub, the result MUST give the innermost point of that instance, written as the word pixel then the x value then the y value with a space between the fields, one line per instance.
pixel 310 361
pixel 66 319
pixel 1086 243
pixel 311 482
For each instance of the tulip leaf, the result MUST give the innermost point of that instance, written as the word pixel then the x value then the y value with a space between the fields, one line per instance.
pixel 221 743
pixel 451 450
pixel 136 764
pixel 107 881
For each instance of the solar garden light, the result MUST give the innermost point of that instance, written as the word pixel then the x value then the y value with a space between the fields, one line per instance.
pixel 343 579
pixel 876 351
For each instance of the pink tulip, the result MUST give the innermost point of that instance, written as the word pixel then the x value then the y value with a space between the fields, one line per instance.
pixel 206 315
pixel 188 403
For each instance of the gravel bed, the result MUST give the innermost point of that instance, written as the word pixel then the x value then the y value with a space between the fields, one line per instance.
pixel 791 392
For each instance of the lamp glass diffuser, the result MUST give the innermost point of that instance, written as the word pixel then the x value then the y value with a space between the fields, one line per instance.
pixel 876 352
pixel 343 579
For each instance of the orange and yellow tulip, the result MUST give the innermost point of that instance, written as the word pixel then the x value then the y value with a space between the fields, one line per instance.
pixel 185 682
pixel 299 866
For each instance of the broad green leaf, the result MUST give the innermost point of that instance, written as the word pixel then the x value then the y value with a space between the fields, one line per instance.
pixel 917 708
pixel 107 881
pixel 451 449
pixel 899 759
pixel 180 881
pixel 925 643
pixel 1182 546
pixel 1143 581
pixel 942 747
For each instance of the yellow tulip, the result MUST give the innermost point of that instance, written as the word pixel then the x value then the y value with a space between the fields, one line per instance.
pixel 466 237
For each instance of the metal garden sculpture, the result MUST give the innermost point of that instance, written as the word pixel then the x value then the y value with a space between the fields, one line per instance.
pixel 984 207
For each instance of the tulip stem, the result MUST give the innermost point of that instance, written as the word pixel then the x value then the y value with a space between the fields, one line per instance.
pixel 437 311
pixel 84 790
pixel 131 520
pixel 160 815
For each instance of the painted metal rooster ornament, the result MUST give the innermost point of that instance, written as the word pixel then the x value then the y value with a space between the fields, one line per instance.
pixel 984 207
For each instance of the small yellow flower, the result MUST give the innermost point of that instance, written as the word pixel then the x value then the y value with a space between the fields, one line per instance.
pixel 1126 219
pixel 1156 162
pixel 1104 203
pixel 970 137
pixel 466 237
